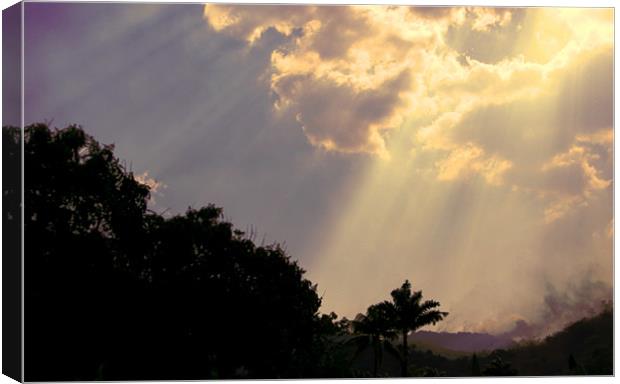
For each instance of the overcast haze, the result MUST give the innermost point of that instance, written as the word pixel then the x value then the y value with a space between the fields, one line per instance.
pixel 466 149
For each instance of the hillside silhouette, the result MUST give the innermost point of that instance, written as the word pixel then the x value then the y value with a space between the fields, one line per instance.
pixel 115 291
pixel 462 341
pixel 582 348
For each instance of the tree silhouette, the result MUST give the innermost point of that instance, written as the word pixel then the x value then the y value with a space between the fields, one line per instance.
pixel 408 313
pixel 114 291
pixel 374 329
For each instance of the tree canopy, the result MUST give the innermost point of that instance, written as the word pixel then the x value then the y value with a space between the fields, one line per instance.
pixel 116 291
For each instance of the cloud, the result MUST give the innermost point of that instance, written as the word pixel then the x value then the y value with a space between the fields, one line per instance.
pixel 327 111
pixel 486 18
pixel 373 64
pixel 557 138
pixel 437 12
pixel 463 161
pixel 577 161
pixel 352 75
pixel 155 187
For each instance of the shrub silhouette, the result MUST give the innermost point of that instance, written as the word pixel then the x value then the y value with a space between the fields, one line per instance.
pixel 114 291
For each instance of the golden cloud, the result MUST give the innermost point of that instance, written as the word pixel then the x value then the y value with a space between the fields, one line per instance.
pixel 360 52
pixel 465 161
pixel 352 74
pixel 155 187
pixel 580 157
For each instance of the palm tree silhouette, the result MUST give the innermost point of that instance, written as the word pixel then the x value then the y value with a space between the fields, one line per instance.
pixel 408 313
pixel 374 329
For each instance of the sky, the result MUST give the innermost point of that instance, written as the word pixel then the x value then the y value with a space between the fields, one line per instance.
pixel 468 150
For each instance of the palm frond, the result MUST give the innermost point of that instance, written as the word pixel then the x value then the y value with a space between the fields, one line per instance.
pixel 428 304
pixel 429 317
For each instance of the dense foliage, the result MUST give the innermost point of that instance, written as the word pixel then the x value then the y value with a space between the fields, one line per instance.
pixel 115 291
